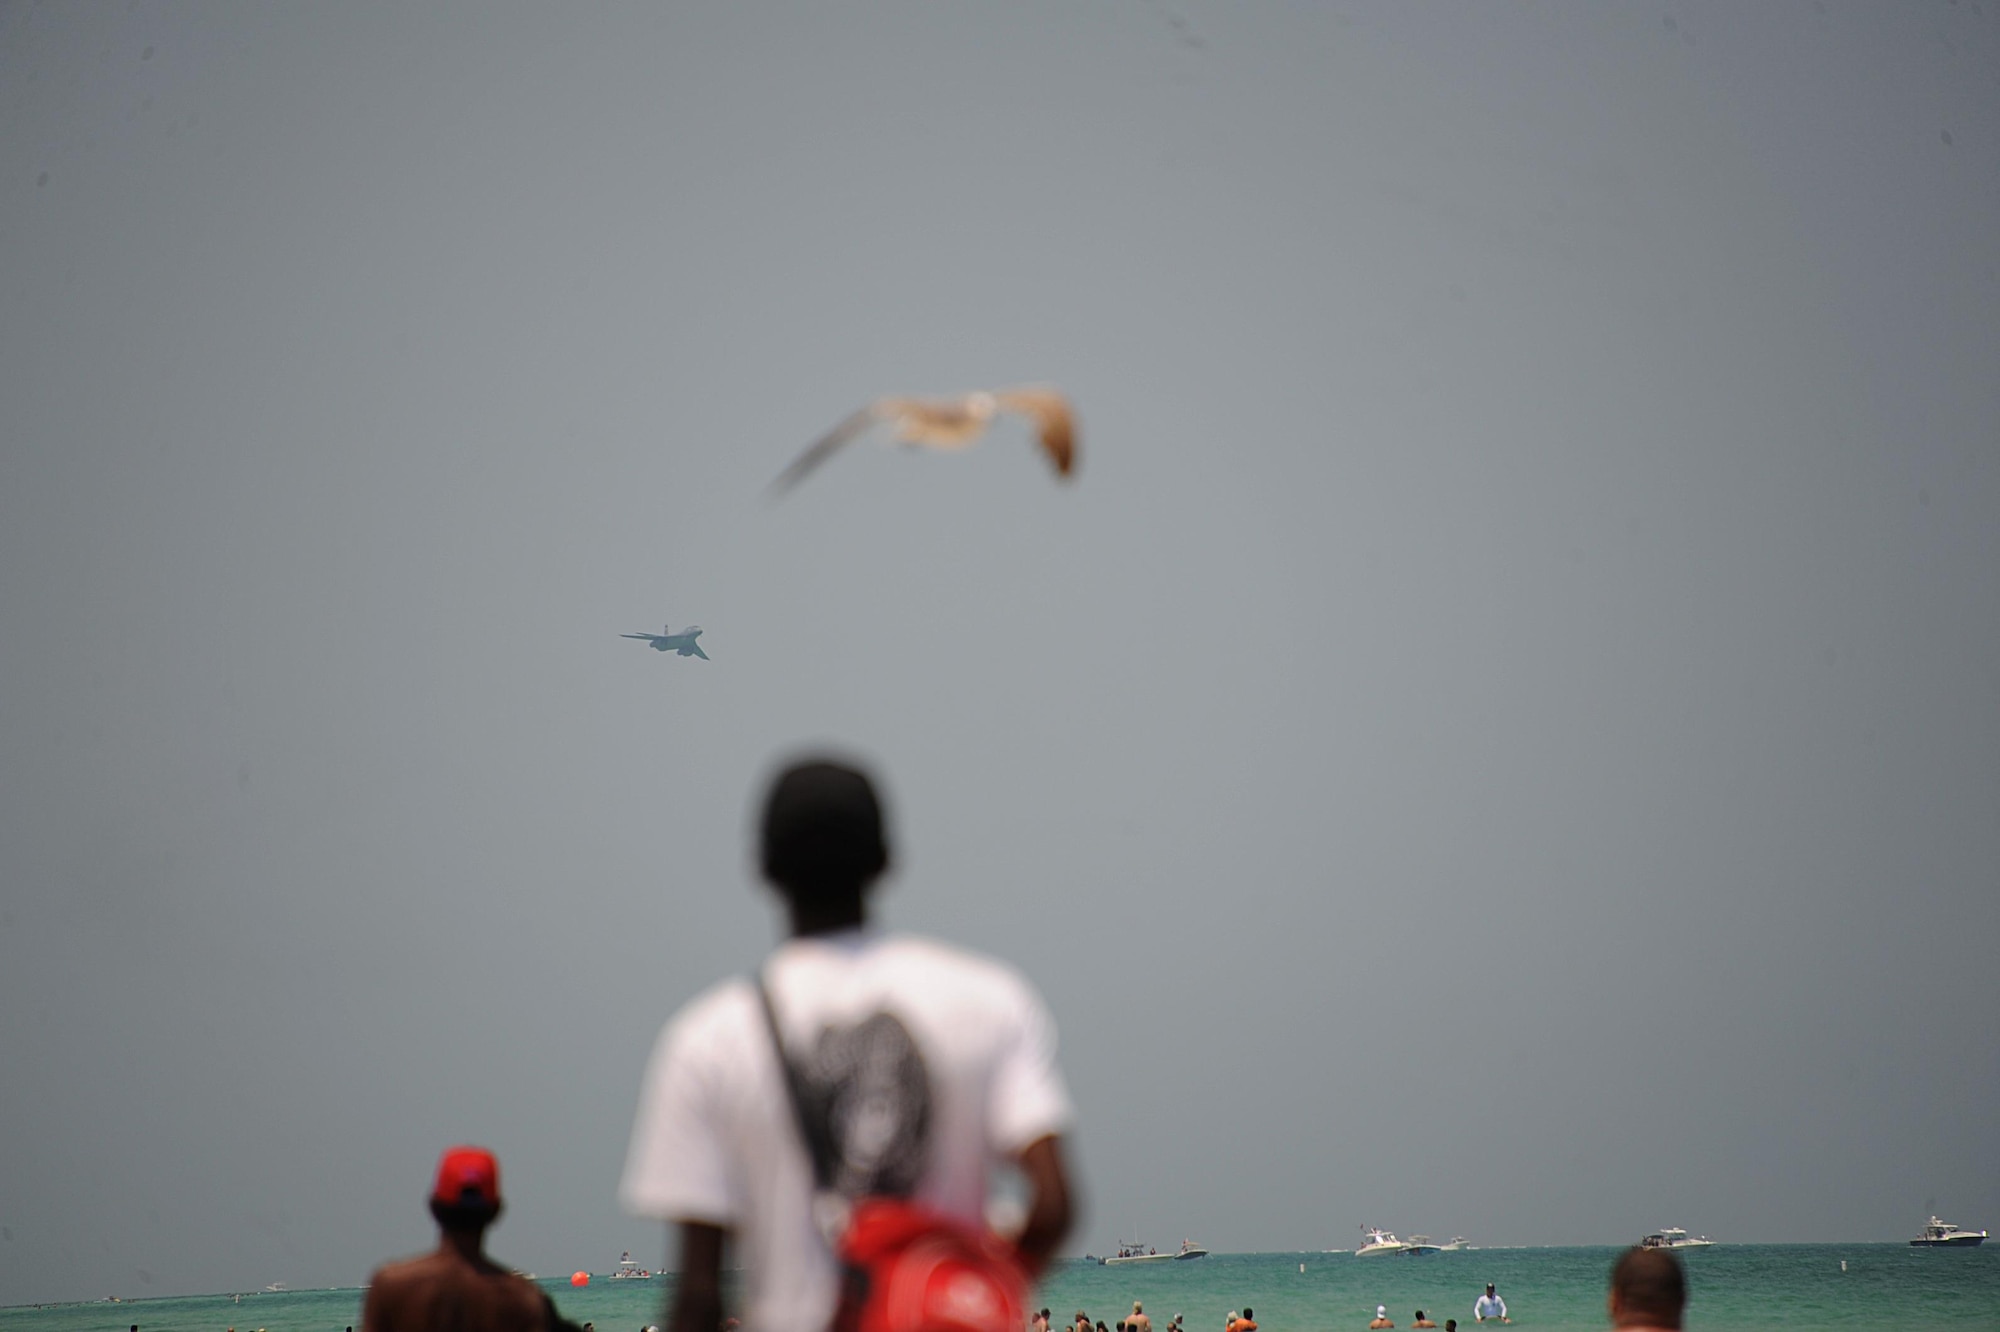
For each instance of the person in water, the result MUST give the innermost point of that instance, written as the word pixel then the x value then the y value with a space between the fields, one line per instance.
pixel 1138 1320
pixel 1422 1321
pixel 1488 1306
pixel 1381 1317
pixel 1648 1291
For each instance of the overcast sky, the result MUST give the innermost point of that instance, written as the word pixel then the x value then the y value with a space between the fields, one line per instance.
pixel 1501 738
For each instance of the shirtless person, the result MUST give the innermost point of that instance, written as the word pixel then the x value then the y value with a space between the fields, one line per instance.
pixel 1381 1317
pixel 1422 1321
pixel 1648 1292
pixel 457 1285
pixel 1139 1320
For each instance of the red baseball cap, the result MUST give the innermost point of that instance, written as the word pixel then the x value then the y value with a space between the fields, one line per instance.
pixel 467 1176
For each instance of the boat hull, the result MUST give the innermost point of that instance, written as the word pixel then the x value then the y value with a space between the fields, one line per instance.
pixel 1955 1242
pixel 1141 1258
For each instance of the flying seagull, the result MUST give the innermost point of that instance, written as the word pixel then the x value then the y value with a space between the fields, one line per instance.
pixel 950 423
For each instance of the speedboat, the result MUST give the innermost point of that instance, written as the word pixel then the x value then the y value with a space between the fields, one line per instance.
pixel 1943 1235
pixel 1456 1244
pixel 1419 1245
pixel 1675 1238
pixel 1136 1252
pixel 1189 1249
pixel 1379 1241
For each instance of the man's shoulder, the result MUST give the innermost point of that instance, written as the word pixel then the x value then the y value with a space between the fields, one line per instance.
pixel 427 1270
pixel 956 966
pixel 403 1271
pixel 717 1013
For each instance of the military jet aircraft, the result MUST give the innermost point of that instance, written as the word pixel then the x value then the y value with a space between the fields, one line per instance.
pixel 669 641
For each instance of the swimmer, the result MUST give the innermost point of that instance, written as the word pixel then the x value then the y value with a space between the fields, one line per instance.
pixel 1422 1321
pixel 1381 1317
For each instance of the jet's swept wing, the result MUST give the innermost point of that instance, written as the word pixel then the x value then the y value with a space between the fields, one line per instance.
pixel 696 649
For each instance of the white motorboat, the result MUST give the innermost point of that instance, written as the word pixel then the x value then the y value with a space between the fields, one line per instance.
pixel 1943 1235
pixel 1379 1242
pixel 1136 1252
pixel 629 1270
pixel 1189 1249
pixel 1419 1245
pixel 1456 1244
pixel 1675 1238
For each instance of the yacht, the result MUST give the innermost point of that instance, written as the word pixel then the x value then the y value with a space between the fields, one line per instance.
pixel 1420 1245
pixel 1379 1241
pixel 1136 1252
pixel 1456 1244
pixel 1675 1238
pixel 629 1270
pixel 1943 1235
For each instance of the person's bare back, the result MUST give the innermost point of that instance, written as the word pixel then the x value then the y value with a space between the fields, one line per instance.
pixel 456 1287
pixel 443 1291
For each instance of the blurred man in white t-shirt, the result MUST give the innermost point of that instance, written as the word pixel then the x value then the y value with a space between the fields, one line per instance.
pixel 921 1067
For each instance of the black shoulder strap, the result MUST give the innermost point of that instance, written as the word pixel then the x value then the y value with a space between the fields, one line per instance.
pixel 794 1088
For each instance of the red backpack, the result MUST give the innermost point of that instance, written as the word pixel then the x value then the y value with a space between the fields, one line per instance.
pixel 905 1267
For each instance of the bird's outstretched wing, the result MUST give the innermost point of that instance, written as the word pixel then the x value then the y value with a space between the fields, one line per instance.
pixel 1055 424
pixel 825 447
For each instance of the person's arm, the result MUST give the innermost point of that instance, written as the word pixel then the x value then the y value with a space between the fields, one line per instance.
pixel 697 1303
pixel 1050 1211
pixel 378 1307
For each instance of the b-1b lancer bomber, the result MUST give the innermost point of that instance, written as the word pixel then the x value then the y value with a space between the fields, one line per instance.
pixel 669 641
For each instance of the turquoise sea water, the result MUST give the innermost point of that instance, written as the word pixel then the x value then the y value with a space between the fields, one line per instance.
pixel 1734 1288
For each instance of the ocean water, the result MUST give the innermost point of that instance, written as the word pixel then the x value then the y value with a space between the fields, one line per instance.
pixel 1733 1288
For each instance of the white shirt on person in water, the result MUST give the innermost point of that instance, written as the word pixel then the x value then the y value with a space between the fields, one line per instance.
pixel 1489 1306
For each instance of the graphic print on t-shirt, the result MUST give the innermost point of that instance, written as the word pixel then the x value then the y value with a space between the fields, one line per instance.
pixel 867 1098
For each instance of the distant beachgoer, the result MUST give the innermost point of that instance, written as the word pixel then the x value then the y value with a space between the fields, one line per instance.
pixel 1100 1325
pixel 1246 1323
pixel 457 1285
pixel 1422 1321
pixel 1381 1317
pixel 1139 1320
pixel 1648 1291
pixel 1451 1325
pixel 1490 1305
pixel 1040 1322
pixel 1229 1323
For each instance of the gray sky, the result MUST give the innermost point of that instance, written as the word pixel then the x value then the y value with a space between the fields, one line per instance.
pixel 1502 738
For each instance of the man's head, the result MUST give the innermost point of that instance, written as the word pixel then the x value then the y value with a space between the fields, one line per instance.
pixel 466 1195
pixel 822 835
pixel 1489 1288
pixel 1647 1289
pixel 1246 1313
